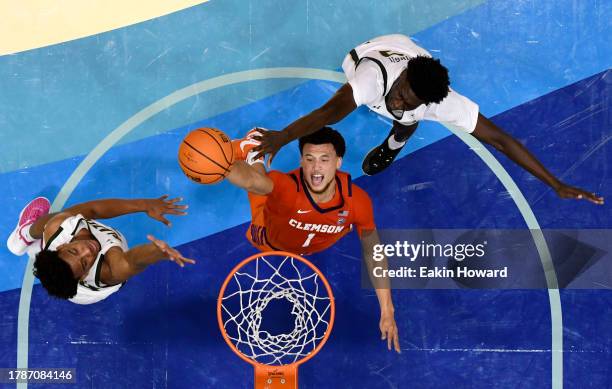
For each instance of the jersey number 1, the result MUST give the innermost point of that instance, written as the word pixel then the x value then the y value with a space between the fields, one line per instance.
pixel 308 239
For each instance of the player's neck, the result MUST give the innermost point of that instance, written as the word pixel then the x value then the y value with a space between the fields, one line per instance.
pixel 324 197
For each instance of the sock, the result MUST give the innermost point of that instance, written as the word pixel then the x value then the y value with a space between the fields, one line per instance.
pixel 393 144
pixel 25 233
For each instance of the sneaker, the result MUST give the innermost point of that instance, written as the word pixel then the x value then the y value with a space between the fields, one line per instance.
pixel 17 243
pixel 380 157
pixel 243 148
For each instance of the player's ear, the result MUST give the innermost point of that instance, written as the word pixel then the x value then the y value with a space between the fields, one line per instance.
pixel 338 162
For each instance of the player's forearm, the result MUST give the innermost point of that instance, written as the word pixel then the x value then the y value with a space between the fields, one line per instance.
pixel 382 286
pixel 521 156
pixel 385 301
pixel 336 109
pixel 307 124
pixel 109 208
pixel 486 131
pixel 139 257
pixel 249 178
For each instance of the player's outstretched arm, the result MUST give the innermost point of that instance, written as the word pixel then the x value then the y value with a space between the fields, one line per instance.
pixel 387 325
pixel 127 264
pixel 486 131
pixel 335 109
pixel 251 178
pixel 109 208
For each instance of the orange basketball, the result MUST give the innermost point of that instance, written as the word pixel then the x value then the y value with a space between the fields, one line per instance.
pixel 205 155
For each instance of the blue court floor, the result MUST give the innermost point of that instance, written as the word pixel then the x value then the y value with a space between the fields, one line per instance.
pixel 103 116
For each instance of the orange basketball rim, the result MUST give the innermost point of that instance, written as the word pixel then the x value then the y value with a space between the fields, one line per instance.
pixel 250 286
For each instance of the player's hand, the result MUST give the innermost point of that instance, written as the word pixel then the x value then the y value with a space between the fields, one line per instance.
pixel 388 331
pixel 171 253
pixel 157 208
pixel 271 142
pixel 569 192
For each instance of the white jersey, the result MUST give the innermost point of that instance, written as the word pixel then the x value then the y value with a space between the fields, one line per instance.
pixel 374 66
pixel 91 289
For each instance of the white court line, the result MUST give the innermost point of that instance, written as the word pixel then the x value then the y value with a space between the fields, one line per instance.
pixel 556 317
pixel 311 74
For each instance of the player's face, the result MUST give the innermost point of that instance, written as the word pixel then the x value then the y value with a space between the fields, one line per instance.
pixel 80 256
pixel 319 164
pixel 401 97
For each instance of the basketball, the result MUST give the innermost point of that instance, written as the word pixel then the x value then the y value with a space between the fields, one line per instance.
pixel 205 155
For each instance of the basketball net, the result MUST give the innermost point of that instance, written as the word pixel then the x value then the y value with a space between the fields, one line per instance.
pixel 244 297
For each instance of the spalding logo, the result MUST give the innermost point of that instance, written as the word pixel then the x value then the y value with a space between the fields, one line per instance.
pixel 188 156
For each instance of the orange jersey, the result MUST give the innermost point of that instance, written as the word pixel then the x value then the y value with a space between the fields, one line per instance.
pixel 288 219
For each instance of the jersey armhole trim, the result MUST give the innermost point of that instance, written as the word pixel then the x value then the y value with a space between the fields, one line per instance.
pixel 358 60
pixel 99 270
pixel 59 231
pixel 76 226
pixel 295 179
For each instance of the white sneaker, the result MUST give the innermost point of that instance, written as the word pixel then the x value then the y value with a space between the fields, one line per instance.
pixel 17 243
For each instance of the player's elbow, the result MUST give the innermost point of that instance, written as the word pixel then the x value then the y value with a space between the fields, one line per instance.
pixel 254 189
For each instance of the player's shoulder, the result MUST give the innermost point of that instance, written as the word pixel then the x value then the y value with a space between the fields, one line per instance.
pixel 286 185
pixel 115 268
pixel 290 177
pixel 363 211
pixel 353 189
pixel 360 194
pixel 114 254
pixel 55 222
pixel 279 174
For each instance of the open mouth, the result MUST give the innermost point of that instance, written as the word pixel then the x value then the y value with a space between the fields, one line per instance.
pixel 317 179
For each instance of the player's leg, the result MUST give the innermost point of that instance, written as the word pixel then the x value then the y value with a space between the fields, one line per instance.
pixel 30 225
pixel 381 156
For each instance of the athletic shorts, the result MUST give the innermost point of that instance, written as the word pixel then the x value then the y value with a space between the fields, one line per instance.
pixel 256 233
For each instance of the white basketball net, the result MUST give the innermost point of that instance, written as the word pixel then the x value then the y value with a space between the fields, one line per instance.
pixel 250 291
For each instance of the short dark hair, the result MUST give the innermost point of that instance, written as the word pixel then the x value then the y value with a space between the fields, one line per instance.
pixel 428 79
pixel 325 135
pixel 55 274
